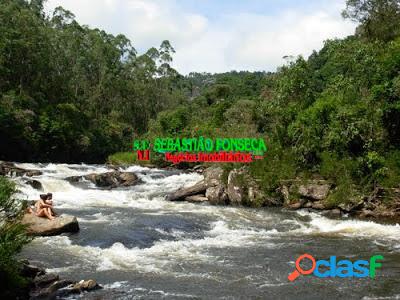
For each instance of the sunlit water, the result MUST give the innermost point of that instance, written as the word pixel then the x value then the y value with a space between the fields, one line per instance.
pixel 139 246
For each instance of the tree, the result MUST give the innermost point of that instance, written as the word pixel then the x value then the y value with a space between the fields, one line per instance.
pixel 379 19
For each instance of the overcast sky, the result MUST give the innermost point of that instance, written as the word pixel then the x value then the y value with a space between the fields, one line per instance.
pixel 218 35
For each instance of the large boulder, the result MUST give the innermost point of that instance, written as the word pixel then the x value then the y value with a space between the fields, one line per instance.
pixel 54 288
pixel 242 189
pixel 38 226
pixel 111 179
pixel 214 176
pixel 74 179
pixel 298 194
pixel 9 169
pixel 182 193
pixel 217 195
pixel 36 184
pixel 314 191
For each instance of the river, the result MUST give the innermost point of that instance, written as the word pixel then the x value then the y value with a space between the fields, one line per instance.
pixel 139 246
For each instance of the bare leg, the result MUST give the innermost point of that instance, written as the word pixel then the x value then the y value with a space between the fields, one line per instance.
pixel 48 214
pixel 40 213
pixel 53 213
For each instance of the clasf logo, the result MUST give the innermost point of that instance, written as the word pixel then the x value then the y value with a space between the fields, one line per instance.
pixel 334 268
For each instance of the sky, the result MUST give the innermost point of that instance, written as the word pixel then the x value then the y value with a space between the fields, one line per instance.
pixel 218 35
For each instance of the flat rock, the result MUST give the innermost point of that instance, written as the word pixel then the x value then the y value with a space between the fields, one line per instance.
pixel 79 287
pixel 38 226
pixel 181 194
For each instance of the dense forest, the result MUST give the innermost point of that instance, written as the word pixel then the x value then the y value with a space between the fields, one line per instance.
pixel 70 93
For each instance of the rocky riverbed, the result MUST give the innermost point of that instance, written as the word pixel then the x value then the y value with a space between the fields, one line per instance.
pixel 238 188
pixel 135 243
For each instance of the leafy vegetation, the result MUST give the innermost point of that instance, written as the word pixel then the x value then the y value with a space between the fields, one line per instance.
pixel 12 238
pixel 335 114
pixel 72 93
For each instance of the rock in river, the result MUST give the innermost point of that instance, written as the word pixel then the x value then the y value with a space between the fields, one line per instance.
pixel 8 168
pixel 181 194
pixel 44 227
pixel 314 191
pixel 36 184
pixel 109 179
pixel 217 195
pixel 196 199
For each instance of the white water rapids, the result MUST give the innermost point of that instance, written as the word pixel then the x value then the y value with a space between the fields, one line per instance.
pixel 139 246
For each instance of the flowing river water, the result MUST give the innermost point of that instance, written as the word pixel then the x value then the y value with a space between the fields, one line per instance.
pixel 139 246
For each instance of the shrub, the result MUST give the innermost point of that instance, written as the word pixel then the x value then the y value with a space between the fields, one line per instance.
pixel 12 238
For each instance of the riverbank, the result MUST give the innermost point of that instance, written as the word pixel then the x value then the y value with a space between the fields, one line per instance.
pixel 38 284
pixel 239 186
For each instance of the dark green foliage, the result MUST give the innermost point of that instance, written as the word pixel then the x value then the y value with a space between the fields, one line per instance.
pixel 379 19
pixel 72 93
pixel 12 237
pixel 278 164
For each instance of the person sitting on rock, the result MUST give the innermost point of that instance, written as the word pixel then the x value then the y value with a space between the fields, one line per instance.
pixel 49 201
pixel 42 209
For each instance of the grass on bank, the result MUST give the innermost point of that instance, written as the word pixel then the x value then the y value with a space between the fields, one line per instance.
pixel 130 158
pixel 122 158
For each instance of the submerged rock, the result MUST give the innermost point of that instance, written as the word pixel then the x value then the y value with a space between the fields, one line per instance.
pixel 333 213
pixel 50 286
pixel 85 285
pixel 38 226
pixel 36 184
pixel 45 279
